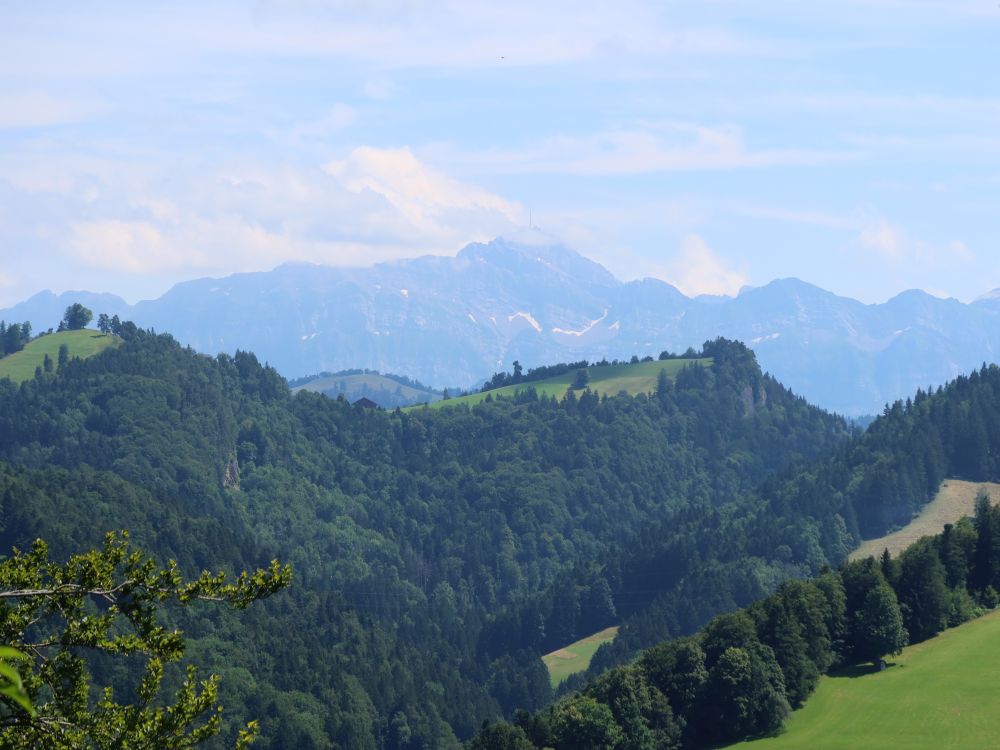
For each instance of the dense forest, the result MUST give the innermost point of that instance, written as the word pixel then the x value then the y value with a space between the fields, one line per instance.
pixel 741 675
pixel 876 482
pixel 438 553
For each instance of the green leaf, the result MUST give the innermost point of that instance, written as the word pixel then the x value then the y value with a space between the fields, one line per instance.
pixel 10 681
pixel 8 653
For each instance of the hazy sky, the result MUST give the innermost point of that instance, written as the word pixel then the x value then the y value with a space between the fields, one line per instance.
pixel 854 144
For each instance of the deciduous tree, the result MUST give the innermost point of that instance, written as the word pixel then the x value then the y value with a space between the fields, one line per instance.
pixel 878 626
pixel 106 601
pixel 77 316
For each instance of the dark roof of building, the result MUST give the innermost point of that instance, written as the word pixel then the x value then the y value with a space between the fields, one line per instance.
pixel 366 403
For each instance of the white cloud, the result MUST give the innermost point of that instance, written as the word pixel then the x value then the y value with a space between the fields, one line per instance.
pixel 148 38
pixel 797 216
pixel 424 196
pixel 199 245
pixel 873 233
pixel 131 246
pixel 35 109
pixel 883 238
pixel 655 147
pixel 337 118
pixel 896 246
pixel 379 88
pixel 700 271
pixel 160 209
pixel 373 205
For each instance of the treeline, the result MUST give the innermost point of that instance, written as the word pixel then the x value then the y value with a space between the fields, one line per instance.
pixel 517 375
pixel 543 372
pixel 740 675
pixel 411 534
pixel 13 337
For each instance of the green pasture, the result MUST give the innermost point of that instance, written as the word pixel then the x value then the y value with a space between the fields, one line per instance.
pixel 576 657
pixel 943 694
pixel 604 380
pixel 20 366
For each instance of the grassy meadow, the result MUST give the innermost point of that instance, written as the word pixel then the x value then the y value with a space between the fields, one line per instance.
pixel 942 694
pixel 955 500
pixel 576 657
pixel 20 366
pixel 604 380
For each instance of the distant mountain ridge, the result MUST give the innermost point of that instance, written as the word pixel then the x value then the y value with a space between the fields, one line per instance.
pixel 457 320
pixel 385 390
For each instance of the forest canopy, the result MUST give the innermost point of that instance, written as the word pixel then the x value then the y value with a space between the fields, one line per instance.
pixel 439 553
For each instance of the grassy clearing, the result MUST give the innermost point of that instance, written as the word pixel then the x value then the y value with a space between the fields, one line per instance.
pixel 576 657
pixel 955 500
pixel 939 695
pixel 20 366
pixel 606 380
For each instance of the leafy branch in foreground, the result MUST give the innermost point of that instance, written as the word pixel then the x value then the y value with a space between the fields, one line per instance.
pixel 11 685
pixel 106 600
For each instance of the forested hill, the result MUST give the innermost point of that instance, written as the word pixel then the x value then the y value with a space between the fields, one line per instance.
pixel 876 482
pixel 414 537
pixel 739 676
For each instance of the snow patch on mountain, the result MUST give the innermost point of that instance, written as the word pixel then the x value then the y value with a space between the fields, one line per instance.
pixel 587 329
pixel 526 316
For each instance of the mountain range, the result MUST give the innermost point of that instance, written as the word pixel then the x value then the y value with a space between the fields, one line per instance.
pixel 451 321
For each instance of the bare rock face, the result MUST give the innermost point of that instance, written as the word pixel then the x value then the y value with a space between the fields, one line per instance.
pixel 231 480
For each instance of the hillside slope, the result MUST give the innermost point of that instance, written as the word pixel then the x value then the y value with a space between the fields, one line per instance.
pixel 440 553
pixel 20 366
pixel 414 537
pixel 939 694
pixel 955 500
pixel 604 380
pixel 740 676
pixel 878 482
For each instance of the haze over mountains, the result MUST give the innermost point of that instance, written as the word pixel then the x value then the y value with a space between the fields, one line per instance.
pixel 450 321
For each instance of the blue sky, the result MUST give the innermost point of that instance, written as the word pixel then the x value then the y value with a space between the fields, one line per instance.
pixel 855 145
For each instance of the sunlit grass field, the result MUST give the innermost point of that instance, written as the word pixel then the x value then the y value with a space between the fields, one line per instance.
pixel 20 366
pixel 943 694
pixel 576 657
pixel 955 500
pixel 605 380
